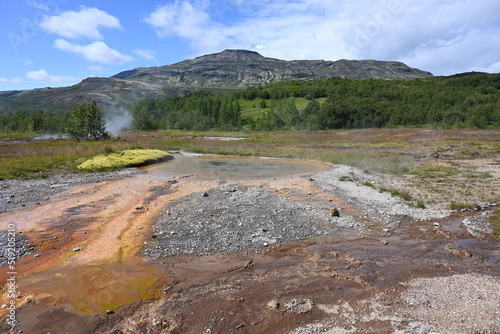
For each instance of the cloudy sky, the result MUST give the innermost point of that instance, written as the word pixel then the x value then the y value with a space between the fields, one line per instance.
pixel 60 42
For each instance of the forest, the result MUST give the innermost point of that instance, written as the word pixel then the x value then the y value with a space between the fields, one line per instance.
pixel 462 101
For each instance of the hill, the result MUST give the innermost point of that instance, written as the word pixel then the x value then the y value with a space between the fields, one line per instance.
pixel 224 71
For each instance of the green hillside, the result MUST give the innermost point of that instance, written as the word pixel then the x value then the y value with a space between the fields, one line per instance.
pixel 460 101
pixel 468 100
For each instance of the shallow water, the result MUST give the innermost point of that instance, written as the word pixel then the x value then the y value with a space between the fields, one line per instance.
pixel 234 168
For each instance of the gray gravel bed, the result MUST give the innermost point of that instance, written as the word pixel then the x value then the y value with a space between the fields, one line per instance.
pixel 234 218
pixel 456 304
pixel 378 206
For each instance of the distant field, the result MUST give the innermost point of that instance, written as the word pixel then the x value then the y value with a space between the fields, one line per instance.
pixel 460 167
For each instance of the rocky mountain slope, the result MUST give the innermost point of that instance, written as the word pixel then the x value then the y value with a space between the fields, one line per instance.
pixel 227 70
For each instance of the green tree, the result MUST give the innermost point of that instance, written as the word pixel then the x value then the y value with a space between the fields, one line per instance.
pixel 87 122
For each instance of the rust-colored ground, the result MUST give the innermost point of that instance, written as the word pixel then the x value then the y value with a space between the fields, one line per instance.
pixel 65 290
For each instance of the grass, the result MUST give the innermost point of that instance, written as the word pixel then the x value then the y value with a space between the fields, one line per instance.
pixel 431 171
pixel 495 223
pixel 388 151
pixel 461 206
pixel 38 159
pixel 122 159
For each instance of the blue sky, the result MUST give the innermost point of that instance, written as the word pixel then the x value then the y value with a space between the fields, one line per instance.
pixel 60 42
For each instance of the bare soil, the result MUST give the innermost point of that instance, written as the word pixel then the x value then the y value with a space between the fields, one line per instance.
pixel 144 254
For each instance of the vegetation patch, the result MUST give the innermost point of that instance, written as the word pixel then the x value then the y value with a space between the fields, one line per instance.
pixel 128 158
pixel 495 223
pixel 462 206
pixel 434 171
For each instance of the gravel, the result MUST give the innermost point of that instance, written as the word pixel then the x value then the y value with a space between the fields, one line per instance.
pixel 457 304
pixel 378 206
pixel 17 251
pixel 235 218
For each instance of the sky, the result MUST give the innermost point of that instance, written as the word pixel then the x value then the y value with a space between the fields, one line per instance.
pixel 52 43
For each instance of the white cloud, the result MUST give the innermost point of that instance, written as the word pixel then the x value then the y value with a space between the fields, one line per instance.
pixel 28 62
pixel 43 76
pixel 441 37
pixel 46 7
pixel 191 22
pixel 177 18
pixel 84 23
pixel 95 52
pixel 146 54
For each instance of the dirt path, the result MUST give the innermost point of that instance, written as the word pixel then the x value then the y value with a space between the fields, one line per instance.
pixel 254 273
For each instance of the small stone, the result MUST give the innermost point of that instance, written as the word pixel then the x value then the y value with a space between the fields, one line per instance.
pixel 265 244
pixel 154 236
pixel 465 253
pixel 335 212
pixel 77 249
pixel 205 194
pixel 139 207
pixel 240 326
pixel 273 304
pixel 436 224
pixel 384 242
pixel 36 255
pixel 140 227
pixel 110 311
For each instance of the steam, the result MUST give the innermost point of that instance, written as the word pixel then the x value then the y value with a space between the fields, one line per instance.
pixel 118 120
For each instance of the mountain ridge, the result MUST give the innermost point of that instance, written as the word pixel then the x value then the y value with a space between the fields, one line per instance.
pixel 226 70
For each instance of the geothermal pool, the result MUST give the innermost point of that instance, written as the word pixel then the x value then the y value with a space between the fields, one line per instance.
pixel 234 168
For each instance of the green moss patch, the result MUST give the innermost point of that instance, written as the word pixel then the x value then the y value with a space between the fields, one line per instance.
pixel 127 158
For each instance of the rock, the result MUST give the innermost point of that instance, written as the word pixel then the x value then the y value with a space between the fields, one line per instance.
pixel 36 255
pixel 110 311
pixel 465 253
pixel 248 264
pixel 335 212
pixel 77 249
pixel 154 236
pixel 273 304
pixel 299 306
pixel 205 194
pixel 240 326
pixel 462 253
pixel 384 242
pixel 139 207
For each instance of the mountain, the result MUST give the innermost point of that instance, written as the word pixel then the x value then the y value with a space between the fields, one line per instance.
pixel 227 70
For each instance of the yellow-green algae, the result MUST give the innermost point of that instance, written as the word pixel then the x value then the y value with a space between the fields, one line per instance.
pixel 127 158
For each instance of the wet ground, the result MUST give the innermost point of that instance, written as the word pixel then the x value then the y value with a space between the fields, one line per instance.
pixel 87 272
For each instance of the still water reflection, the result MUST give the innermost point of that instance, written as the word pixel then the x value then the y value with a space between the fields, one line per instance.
pixel 234 168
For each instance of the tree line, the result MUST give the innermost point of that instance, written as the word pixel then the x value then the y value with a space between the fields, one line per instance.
pixel 446 102
pixel 471 101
